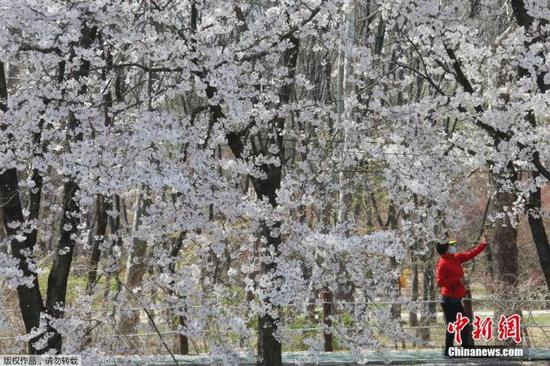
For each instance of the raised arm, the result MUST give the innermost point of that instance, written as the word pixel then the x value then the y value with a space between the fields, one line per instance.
pixel 466 256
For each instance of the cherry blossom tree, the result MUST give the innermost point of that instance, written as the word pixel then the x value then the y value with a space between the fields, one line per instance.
pixel 213 158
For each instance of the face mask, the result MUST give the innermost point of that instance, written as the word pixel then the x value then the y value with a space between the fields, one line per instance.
pixel 451 250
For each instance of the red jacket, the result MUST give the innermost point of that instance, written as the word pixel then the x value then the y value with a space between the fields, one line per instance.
pixel 449 271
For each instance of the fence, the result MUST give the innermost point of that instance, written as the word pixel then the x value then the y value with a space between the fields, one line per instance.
pixel 535 323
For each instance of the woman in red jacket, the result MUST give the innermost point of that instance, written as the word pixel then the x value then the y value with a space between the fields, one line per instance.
pixel 450 279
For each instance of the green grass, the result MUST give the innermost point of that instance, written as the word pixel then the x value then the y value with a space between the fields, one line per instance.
pixel 76 281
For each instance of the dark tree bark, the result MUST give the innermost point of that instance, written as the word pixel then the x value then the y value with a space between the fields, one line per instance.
pixel 182 345
pixel 135 270
pixel 269 348
pixel 100 217
pixel 538 231
pixel 3 89
pixel 505 244
pixel 115 241
pixel 30 295
pixel 59 273
pixel 99 231
pixel 35 196
pixel 505 258
pixel 30 298
pixel 183 341
pixel 326 298
pixel 61 266
pixel 413 317
pixel 536 224
pixel 35 193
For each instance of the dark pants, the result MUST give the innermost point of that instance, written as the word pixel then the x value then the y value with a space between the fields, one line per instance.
pixel 451 307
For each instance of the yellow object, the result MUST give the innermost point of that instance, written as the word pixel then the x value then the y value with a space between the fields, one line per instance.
pixel 451 242
pixel 403 278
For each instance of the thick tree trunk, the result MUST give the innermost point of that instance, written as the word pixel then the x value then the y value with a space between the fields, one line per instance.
pixel 61 266
pixel 396 292
pixel 536 224
pixel 135 269
pixel 100 217
pixel 505 258
pixel 99 231
pixel 504 243
pixel 327 299
pixel 539 234
pixel 182 340
pixel 30 298
pixel 59 273
pixel 269 348
pixel 35 194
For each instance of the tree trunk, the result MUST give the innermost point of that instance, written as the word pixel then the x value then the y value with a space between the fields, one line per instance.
pixel 413 317
pixel 326 298
pixel 269 348
pixel 115 241
pixel 428 308
pixel 539 234
pixel 59 273
pixel 504 243
pixel 30 298
pixel 505 258
pixel 182 340
pixel 135 269
pixel 392 224
pixel 99 231
pixel 536 224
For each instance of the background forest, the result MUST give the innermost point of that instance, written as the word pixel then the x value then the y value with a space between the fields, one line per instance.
pixel 188 176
